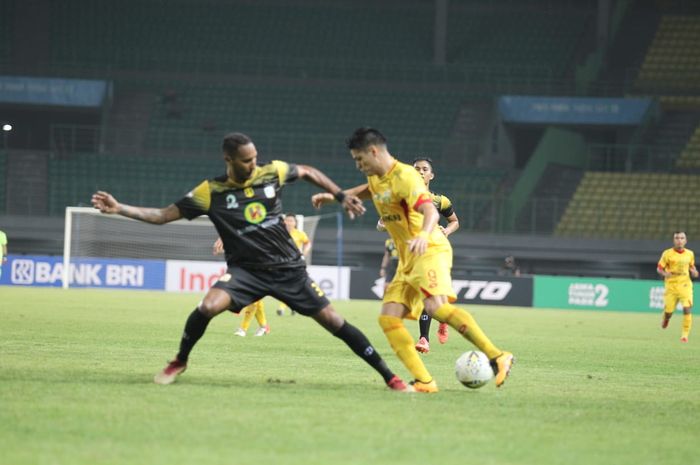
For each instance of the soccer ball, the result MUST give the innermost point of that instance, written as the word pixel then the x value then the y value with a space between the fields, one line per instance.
pixel 473 369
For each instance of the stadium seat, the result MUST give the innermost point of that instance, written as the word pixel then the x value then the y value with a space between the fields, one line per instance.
pixel 630 207
pixel 672 62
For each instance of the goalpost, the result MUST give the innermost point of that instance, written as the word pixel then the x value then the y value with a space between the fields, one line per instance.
pixel 89 234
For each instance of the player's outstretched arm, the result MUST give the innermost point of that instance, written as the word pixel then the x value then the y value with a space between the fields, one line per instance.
pixel 319 200
pixel 350 202
pixel 106 203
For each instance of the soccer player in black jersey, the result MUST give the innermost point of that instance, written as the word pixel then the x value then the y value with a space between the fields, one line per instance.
pixel 245 207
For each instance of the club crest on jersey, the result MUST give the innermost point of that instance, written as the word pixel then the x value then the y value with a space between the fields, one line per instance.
pixel 269 192
pixel 249 192
pixel 383 197
pixel 255 212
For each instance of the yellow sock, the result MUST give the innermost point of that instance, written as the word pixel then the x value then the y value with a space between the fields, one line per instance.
pixel 404 346
pixel 687 324
pixel 466 325
pixel 260 313
pixel 248 313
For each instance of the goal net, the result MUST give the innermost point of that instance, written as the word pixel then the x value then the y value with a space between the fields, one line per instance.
pixel 90 235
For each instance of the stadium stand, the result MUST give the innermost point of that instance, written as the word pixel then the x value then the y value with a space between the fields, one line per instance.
pixel 672 64
pixel 6 30
pixel 549 200
pixel 663 146
pixel 143 181
pixel 136 35
pixel 690 156
pixel 331 40
pixel 530 45
pixel 158 181
pixel 269 109
pixel 628 206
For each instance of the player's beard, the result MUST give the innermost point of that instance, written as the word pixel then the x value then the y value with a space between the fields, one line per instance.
pixel 240 175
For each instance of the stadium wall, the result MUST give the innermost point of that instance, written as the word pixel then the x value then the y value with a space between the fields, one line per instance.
pixel 557 145
pixel 474 253
pixel 140 274
pixel 558 292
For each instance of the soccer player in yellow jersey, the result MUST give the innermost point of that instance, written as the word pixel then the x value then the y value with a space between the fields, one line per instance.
pixel 299 237
pixel 425 257
pixel 424 166
pixel 256 309
pixel 3 250
pixel 676 265
pixel 302 242
pixel 245 206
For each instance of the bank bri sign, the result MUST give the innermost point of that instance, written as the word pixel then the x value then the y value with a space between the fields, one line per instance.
pixel 47 271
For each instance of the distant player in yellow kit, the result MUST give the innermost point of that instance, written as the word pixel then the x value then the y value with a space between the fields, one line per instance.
pixel 425 257
pixel 676 265
pixel 302 242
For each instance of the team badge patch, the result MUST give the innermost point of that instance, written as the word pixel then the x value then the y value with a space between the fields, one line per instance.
pixel 249 192
pixel 255 212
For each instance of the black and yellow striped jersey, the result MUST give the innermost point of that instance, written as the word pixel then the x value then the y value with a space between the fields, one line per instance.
pixel 443 204
pixel 248 216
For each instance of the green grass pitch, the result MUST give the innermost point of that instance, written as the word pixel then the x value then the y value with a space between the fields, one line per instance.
pixel 76 387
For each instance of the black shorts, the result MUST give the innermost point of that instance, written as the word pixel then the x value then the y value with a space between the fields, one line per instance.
pixel 293 286
pixel 390 272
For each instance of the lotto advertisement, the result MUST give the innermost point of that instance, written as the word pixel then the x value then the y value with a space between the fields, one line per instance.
pixel 493 290
pixel 338 283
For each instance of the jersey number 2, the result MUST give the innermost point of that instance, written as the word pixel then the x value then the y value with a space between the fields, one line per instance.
pixel 231 202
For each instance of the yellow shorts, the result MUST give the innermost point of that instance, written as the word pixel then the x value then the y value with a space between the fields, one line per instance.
pixel 423 277
pixel 678 292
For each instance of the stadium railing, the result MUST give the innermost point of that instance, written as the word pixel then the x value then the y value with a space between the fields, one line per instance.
pixel 629 158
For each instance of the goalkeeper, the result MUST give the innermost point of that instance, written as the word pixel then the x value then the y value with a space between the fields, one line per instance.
pixel 245 207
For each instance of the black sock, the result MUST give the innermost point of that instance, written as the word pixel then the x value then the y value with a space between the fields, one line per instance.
pixel 424 325
pixel 194 329
pixel 359 344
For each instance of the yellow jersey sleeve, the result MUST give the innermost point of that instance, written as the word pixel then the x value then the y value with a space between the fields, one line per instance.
pixel 196 202
pixel 444 203
pixel 445 208
pixel 411 188
pixel 285 172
